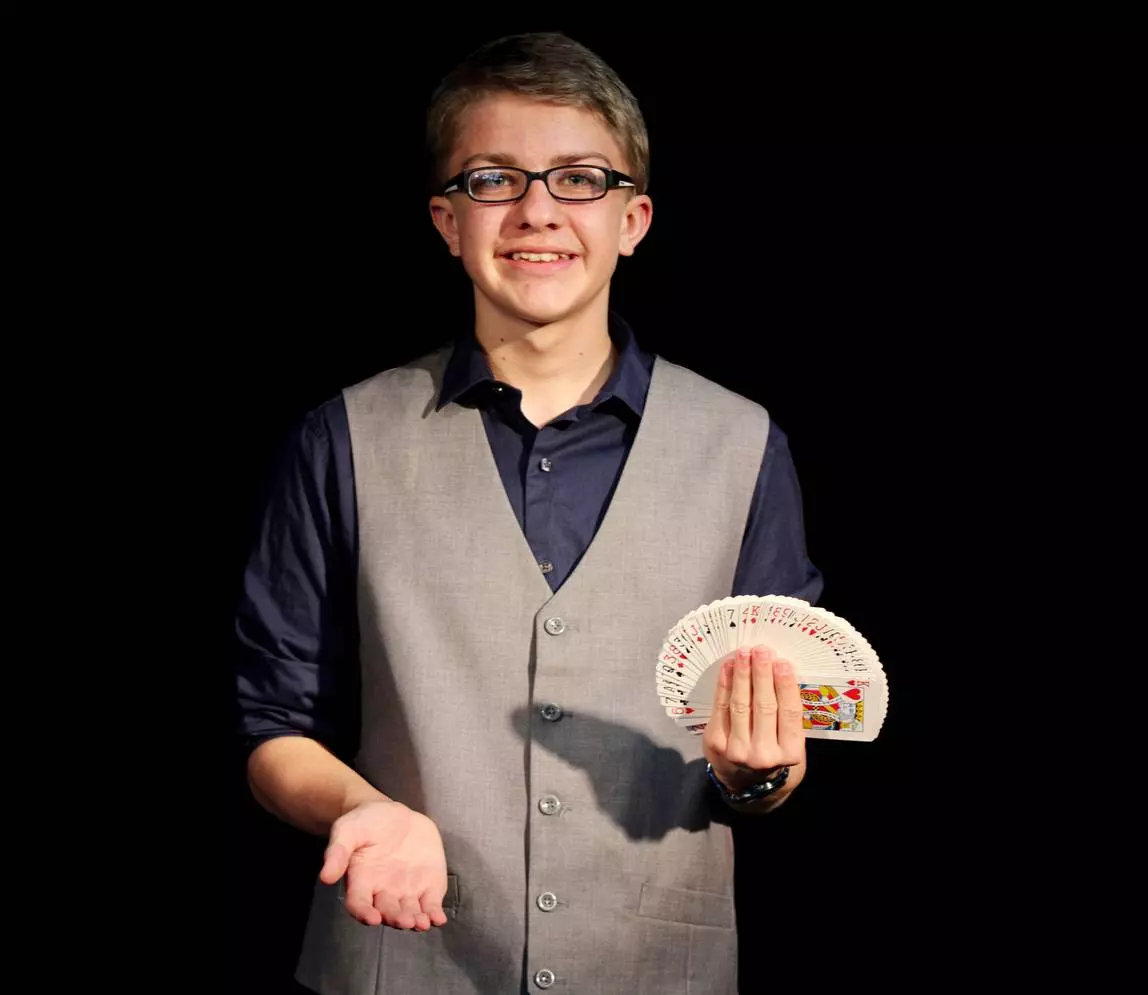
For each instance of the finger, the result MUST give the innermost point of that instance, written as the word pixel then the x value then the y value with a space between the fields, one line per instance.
pixel 360 902
pixel 388 905
pixel 717 728
pixel 740 700
pixel 790 734
pixel 764 703
pixel 431 901
pixel 409 911
pixel 422 922
pixel 335 860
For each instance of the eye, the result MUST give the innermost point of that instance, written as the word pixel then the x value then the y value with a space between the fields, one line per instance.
pixel 580 181
pixel 490 179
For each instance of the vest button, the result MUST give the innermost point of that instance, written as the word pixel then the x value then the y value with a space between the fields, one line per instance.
pixel 548 901
pixel 545 464
pixel 549 804
pixel 551 712
pixel 555 626
pixel 545 566
pixel 544 978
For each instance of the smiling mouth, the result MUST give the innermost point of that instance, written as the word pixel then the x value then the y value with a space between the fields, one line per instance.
pixel 538 257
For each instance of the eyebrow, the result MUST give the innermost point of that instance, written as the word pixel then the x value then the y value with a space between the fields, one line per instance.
pixel 502 159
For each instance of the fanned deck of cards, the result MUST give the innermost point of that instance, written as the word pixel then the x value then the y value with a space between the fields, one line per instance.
pixel 844 691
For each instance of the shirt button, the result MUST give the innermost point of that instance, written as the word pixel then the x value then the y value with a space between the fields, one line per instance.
pixel 545 464
pixel 551 712
pixel 545 566
pixel 548 901
pixel 555 626
pixel 544 978
pixel 549 804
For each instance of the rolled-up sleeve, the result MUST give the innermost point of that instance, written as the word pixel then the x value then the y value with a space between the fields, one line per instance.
pixel 296 622
pixel 773 556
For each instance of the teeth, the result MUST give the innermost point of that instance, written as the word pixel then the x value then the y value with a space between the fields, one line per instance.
pixel 539 257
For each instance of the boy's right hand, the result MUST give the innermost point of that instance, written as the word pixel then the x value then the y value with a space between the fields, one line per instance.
pixel 395 865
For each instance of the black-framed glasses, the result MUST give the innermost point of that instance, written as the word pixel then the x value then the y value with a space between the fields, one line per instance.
pixel 502 184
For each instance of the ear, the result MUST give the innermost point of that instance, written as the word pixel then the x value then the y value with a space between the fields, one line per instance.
pixel 442 214
pixel 635 223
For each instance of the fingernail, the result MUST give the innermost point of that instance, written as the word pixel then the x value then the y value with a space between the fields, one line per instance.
pixel 782 667
pixel 743 654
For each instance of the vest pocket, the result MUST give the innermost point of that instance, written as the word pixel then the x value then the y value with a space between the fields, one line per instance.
pixel 698 908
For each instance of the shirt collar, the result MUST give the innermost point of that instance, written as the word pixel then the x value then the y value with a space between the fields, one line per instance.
pixel 629 381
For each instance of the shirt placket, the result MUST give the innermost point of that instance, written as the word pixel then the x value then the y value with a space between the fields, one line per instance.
pixel 538 500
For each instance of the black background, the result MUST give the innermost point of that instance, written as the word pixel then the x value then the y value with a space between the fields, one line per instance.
pixel 901 244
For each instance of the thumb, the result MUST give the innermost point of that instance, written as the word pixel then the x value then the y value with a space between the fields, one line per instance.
pixel 335 860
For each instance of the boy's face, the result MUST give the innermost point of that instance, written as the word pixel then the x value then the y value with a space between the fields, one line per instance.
pixel 509 130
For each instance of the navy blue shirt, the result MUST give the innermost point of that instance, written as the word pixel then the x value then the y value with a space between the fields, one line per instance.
pixel 297 622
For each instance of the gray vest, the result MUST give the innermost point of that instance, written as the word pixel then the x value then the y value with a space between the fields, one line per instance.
pixel 524 722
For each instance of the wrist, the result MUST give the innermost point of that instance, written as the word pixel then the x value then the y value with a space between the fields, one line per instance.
pixel 361 794
pixel 750 788
pixel 738 779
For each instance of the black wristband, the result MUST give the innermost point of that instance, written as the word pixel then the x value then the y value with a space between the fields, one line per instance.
pixel 755 792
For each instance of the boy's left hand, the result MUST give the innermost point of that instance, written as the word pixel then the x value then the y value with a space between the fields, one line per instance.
pixel 755 727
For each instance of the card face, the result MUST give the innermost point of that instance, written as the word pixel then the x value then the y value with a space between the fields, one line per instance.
pixel 830 708
pixel 702 693
pixel 842 684
pixel 679 662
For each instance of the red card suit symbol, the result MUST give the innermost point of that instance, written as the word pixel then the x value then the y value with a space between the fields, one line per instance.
pixel 854 693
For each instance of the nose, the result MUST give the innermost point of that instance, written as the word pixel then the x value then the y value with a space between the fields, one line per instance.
pixel 537 209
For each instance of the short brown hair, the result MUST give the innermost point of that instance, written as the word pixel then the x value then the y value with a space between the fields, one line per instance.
pixel 546 65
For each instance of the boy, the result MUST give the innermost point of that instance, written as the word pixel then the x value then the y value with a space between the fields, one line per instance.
pixel 478 555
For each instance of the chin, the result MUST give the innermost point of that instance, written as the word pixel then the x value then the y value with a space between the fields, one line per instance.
pixel 543 310
pixel 545 315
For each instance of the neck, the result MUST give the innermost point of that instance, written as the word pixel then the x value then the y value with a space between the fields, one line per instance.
pixel 556 366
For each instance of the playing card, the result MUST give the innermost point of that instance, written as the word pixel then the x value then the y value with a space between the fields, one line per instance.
pixel 683 658
pixel 674 672
pixel 846 710
pixel 843 687
pixel 701 694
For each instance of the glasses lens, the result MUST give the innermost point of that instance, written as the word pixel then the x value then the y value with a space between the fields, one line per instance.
pixel 496 184
pixel 578 183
